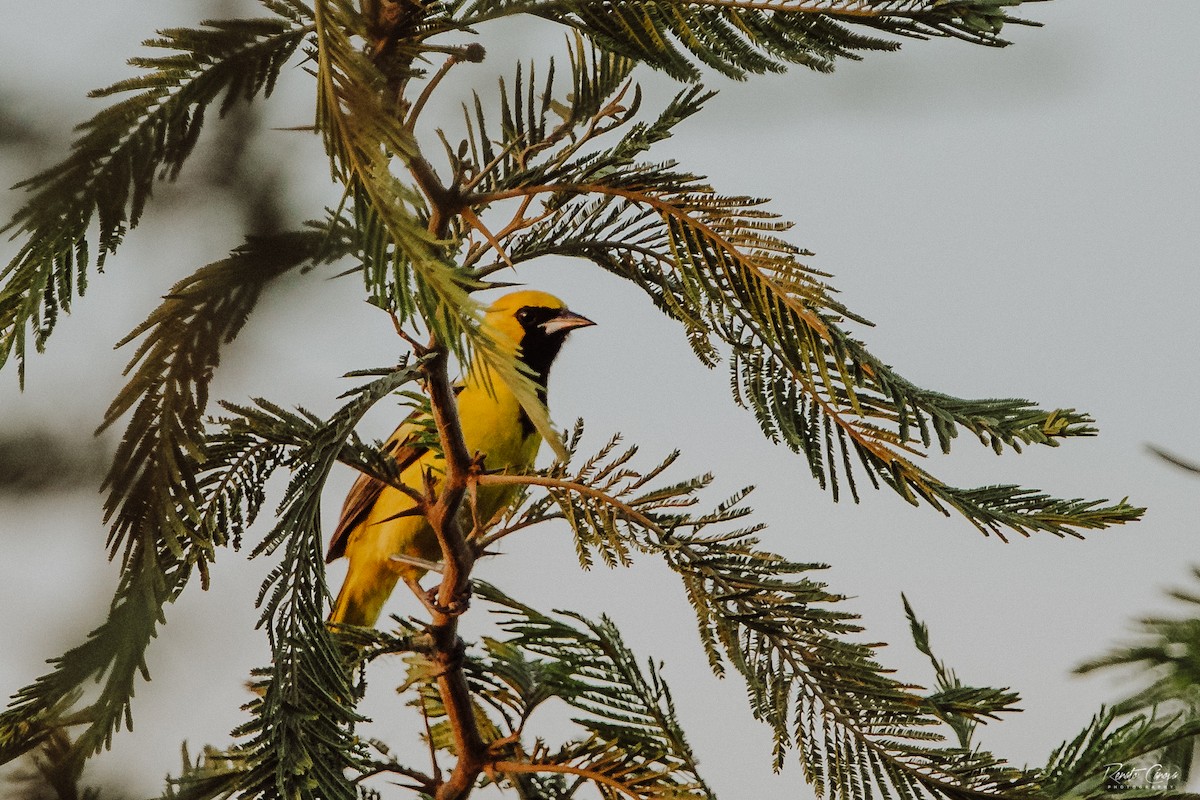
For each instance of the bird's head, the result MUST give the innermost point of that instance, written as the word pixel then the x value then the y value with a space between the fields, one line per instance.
pixel 536 324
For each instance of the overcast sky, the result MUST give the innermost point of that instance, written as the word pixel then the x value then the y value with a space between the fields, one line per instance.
pixel 1017 222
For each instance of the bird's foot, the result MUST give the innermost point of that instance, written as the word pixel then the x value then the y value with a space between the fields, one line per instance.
pixel 457 606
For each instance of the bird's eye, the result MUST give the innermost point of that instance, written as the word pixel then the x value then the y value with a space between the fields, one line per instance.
pixel 524 315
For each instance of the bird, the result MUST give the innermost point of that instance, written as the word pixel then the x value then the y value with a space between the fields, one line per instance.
pixel 379 521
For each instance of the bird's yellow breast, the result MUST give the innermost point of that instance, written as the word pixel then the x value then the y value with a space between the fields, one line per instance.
pixel 490 422
pixel 379 522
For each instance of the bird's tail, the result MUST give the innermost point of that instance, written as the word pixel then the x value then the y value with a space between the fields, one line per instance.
pixel 361 600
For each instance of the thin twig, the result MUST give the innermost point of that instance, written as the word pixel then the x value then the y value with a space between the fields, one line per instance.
pixel 482 544
pixel 437 769
pixel 630 513
pixel 475 222
pixel 567 769
pixel 424 782
pixel 427 92
pixel 418 349
pixel 458 558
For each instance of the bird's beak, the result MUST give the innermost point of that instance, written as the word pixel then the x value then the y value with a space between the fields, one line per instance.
pixel 564 321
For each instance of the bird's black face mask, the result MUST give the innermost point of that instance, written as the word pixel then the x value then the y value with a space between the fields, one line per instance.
pixel 539 346
pixel 544 331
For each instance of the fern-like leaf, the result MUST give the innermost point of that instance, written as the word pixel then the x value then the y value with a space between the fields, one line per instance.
pixel 167 514
pixel 1090 765
pixel 743 37
pixel 634 744
pixel 720 265
pixel 855 728
pixel 300 740
pixel 120 153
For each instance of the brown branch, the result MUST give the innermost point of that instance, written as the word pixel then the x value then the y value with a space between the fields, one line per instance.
pixel 519 222
pixel 475 222
pixel 444 202
pixel 567 769
pixel 630 513
pixel 598 244
pixel 437 768
pixel 618 113
pixel 427 92
pixel 424 783
pixel 670 211
pixel 482 543
pixel 458 557
pixel 390 21
pixel 444 514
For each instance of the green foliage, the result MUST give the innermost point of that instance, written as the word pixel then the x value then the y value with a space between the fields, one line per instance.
pixel 300 740
pixel 168 391
pixel 1166 658
pixel 717 264
pixel 119 154
pixel 856 730
pixel 167 516
pixel 568 161
pixel 1083 767
pixel 633 739
pixel 1168 649
pixel 741 37
pixel 959 706
pixel 53 772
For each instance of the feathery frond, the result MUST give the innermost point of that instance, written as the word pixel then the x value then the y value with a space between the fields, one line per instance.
pixel 720 266
pixel 119 154
pixel 1166 658
pixel 854 727
pixel 1167 652
pixel 568 159
pixel 167 516
pixel 960 706
pixel 300 739
pixel 742 37
pixel 53 771
pixel 634 745
pixel 1087 766
pixel 168 386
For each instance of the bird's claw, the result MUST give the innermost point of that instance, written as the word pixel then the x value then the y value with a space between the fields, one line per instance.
pixel 457 606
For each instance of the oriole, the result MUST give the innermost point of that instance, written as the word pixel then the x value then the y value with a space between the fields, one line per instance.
pixel 373 526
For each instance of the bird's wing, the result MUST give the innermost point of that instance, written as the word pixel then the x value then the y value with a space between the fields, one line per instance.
pixel 366 490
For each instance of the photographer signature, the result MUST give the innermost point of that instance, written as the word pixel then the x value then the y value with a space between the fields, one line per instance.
pixel 1153 776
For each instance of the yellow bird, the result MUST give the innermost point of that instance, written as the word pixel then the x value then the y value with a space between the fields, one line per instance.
pixel 374 526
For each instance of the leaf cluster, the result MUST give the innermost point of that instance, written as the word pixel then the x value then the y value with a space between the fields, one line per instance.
pixel 1169 650
pixel 720 265
pixel 632 744
pixel 738 38
pixel 856 730
pixel 167 511
pixel 1166 658
pixel 120 153
pixel 572 168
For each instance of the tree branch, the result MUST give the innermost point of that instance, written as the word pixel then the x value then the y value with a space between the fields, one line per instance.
pixel 670 211
pixel 630 513
pixel 458 558
pixel 567 769
pixel 483 543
